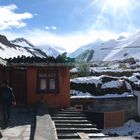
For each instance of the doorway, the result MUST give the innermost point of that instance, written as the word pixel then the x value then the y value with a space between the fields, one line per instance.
pixel 19 85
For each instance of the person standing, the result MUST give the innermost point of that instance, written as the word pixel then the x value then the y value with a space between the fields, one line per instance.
pixel 7 99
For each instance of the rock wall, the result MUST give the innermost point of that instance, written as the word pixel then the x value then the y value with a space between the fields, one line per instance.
pixel 129 104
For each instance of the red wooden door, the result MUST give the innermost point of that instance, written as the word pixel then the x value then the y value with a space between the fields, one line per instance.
pixel 18 83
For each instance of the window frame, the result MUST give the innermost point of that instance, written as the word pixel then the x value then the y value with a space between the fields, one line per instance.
pixel 47 90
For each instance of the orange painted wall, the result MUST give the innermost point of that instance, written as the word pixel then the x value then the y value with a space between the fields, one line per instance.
pixel 61 99
pixel 113 119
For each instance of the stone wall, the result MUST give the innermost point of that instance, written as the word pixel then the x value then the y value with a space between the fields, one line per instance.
pixel 115 73
pixel 129 104
pixel 94 87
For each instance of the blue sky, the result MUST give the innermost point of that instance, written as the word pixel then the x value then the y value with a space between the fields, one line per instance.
pixel 68 23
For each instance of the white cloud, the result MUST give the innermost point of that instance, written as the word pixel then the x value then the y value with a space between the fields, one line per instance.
pixel 47 28
pixel 10 19
pixel 53 27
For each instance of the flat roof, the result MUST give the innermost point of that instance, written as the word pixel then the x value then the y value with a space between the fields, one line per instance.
pixel 40 64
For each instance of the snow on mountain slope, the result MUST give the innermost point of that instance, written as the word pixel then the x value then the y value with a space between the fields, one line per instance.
pixel 90 46
pixel 21 46
pixel 86 56
pixel 52 50
pixel 7 52
pixel 115 49
pixel 126 48
pixel 59 49
pixel 22 42
pixel 104 49
pixel 9 49
pixel 101 50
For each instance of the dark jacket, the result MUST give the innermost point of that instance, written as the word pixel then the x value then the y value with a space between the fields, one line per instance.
pixel 6 95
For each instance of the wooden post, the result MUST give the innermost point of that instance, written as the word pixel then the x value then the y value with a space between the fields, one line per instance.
pixel 137 93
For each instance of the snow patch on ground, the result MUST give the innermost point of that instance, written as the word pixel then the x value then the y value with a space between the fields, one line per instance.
pixel 130 128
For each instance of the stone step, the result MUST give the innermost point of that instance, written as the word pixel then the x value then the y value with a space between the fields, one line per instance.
pixel 69 118
pixel 97 135
pixel 68 136
pixel 72 121
pixel 68 115
pixel 69 112
pixel 63 125
pixel 108 138
pixel 71 124
pixel 76 135
pixel 74 130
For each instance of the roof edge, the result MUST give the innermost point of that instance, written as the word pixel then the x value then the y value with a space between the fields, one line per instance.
pixel 41 64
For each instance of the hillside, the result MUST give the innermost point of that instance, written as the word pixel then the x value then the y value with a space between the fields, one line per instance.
pixel 82 49
pixel 115 49
pixel 9 49
pixel 23 47
pixel 126 48
pixel 52 50
pixel 86 56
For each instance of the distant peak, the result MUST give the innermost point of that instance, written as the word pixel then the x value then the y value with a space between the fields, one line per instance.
pixel 3 38
pixel 5 41
pixel 20 40
pixel 121 37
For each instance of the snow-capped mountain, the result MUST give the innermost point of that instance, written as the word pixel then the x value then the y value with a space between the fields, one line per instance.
pixel 82 49
pixel 100 48
pixel 9 49
pixel 52 50
pixel 21 46
pixel 115 49
pixel 85 56
pixel 22 42
pixel 125 48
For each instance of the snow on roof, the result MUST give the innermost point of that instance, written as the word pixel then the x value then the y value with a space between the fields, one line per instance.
pixel 104 69
pixel 78 94
pixel 74 70
pixel 91 79
pixel 115 82
pixel 112 84
pixel 134 78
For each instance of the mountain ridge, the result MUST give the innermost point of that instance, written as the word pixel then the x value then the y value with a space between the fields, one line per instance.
pixel 21 46
pixel 20 41
pixel 113 49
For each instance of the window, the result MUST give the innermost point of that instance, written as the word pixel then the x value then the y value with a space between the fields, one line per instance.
pixel 47 82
